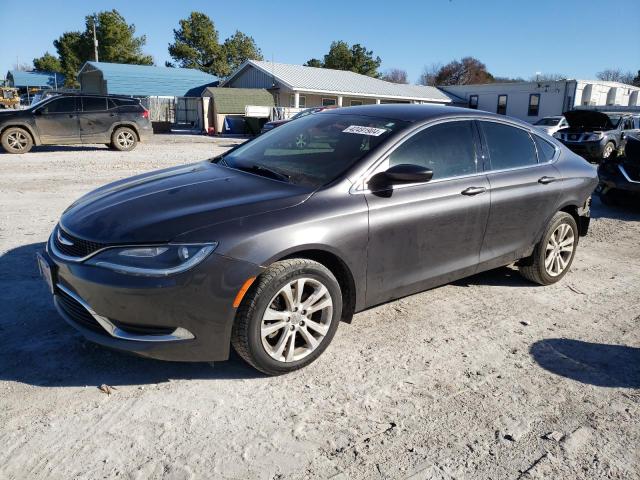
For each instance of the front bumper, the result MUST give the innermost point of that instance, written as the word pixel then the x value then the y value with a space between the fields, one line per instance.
pixel 186 317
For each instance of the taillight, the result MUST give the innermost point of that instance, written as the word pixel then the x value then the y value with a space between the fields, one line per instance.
pixel 145 113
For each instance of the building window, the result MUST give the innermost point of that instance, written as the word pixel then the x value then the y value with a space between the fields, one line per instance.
pixel 534 105
pixel 355 103
pixel 502 105
pixel 328 102
pixel 302 101
pixel 473 101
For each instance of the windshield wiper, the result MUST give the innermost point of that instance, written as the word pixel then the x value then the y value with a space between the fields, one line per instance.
pixel 265 172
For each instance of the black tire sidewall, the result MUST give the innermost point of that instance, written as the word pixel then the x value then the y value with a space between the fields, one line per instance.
pixel 316 272
pixel 558 219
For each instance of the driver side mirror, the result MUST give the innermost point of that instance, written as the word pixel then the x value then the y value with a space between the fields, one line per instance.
pixel 399 174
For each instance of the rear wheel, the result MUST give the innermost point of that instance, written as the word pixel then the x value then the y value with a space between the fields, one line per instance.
pixel 554 254
pixel 16 140
pixel 288 317
pixel 124 139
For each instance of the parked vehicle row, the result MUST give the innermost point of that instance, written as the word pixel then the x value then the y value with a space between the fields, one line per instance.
pixel 66 119
pixel 620 176
pixel 269 246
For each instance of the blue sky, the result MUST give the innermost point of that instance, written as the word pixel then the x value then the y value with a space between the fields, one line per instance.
pixel 512 38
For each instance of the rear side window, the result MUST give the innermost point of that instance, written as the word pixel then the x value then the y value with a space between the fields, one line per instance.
pixel 129 104
pixel 546 151
pixel 447 148
pixel 93 104
pixel 60 105
pixel 509 147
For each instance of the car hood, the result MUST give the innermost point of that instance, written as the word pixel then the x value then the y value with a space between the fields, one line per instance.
pixel 588 120
pixel 160 205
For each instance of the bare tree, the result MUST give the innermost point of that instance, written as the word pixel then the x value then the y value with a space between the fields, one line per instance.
pixel 395 75
pixel 23 67
pixel 547 77
pixel 428 75
pixel 616 75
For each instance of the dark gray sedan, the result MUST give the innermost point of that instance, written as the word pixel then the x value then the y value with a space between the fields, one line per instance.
pixel 270 245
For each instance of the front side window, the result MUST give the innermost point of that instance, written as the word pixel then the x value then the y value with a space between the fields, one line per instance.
pixel 60 105
pixel 314 150
pixel 534 105
pixel 509 147
pixel 473 102
pixel 93 104
pixel 328 102
pixel 502 105
pixel 448 149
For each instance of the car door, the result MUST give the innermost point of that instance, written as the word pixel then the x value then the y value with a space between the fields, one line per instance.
pixel 57 121
pixel 423 235
pixel 95 120
pixel 524 191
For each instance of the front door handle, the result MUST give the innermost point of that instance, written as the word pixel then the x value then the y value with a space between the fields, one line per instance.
pixel 545 180
pixel 473 190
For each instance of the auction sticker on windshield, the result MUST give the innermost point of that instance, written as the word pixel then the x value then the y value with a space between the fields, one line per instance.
pixel 371 131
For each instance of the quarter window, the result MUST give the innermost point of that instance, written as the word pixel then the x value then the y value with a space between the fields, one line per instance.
pixel 447 148
pixel 473 102
pixel 546 151
pixel 93 104
pixel 502 105
pixel 509 147
pixel 60 105
pixel 534 105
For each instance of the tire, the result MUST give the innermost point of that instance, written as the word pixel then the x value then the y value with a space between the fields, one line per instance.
pixel 16 140
pixel 608 150
pixel 124 139
pixel 563 227
pixel 274 353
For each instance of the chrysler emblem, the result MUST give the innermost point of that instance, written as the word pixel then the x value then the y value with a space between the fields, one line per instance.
pixel 63 240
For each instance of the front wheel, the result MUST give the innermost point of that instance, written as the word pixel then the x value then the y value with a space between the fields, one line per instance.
pixel 16 140
pixel 554 254
pixel 608 150
pixel 288 317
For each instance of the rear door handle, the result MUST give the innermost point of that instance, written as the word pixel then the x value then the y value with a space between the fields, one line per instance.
pixel 473 190
pixel 545 180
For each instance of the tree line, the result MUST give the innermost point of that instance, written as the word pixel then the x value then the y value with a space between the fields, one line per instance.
pixel 196 44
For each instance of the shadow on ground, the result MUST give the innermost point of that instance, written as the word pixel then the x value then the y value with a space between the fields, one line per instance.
pixel 628 210
pixel 598 364
pixel 499 277
pixel 39 348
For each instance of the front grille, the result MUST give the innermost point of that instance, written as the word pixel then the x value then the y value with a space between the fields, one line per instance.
pixel 77 312
pixel 78 247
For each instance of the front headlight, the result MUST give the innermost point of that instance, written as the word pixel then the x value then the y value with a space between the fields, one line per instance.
pixel 594 136
pixel 153 261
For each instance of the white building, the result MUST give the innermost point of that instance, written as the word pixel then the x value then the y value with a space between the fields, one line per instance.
pixel 298 86
pixel 531 101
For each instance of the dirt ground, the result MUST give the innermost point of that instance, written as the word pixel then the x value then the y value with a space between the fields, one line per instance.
pixel 487 378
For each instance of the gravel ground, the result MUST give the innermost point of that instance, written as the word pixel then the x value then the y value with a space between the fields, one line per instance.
pixel 487 378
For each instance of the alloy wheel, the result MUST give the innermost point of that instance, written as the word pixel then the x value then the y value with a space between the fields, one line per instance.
pixel 125 139
pixel 17 141
pixel 608 150
pixel 296 320
pixel 559 250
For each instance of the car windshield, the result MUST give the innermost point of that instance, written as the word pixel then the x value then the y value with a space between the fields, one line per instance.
pixel 548 122
pixel 313 150
pixel 615 119
pixel 306 112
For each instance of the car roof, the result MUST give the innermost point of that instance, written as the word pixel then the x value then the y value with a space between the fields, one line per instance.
pixel 80 94
pixel 415 113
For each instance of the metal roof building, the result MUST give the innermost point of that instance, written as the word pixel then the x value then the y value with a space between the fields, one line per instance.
pixel 300 86
pixel 143 80
pixel 20 79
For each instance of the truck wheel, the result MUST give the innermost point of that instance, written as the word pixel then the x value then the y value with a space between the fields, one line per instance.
pixel 124 139
pixel 288 317
pixel 609 148
pixel 16 140
pixel 554 254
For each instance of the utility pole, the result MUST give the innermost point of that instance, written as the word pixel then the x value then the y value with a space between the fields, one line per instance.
pixel 95 39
